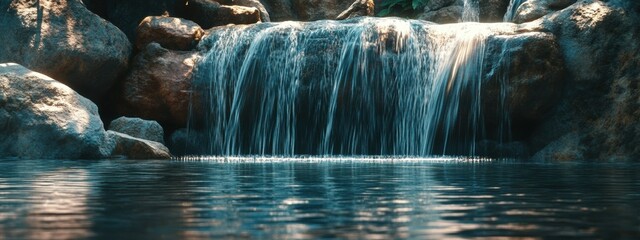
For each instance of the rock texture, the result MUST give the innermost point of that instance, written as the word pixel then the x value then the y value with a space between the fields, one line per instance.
pixel 597 115
pixel 64 40
pixel 158 86
pixel 209 13
pixel 264 14
pixel 533 9
pixel 137 148
pixel 139 128
pixel 449 14
pixel 171 33
pixel 305 10
pixel 42 118
pixel 127 14
pixel 358 8
pixel 450 11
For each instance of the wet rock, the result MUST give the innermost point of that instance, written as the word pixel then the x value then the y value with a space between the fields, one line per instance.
pixel 525 75
pixel 139 128
pixel 137 148
pixel 43 118
pixel 64 40
pixel 533 9
pixel 171 33
pixel 359 8
pixel 597 116
pixel 492 10
pixel 208 13
pixel 158 86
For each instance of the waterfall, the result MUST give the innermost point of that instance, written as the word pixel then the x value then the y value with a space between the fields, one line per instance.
pixel 471 11
pixel 363 86
pixel 512 10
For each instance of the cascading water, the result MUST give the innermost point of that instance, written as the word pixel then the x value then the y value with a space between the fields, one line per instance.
pixel 471 11
pixel 365 86
pixel 512 10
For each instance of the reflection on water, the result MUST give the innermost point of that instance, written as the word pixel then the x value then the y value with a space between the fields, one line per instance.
pixel 317 199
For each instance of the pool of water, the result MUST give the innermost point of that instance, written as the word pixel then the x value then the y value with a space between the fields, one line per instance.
pixel 296 198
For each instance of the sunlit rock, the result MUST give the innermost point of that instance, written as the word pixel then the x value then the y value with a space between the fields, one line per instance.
pixel 264 15
pixel 533 9
pixel 137 148
pixel 358 8
pixel 64 40
pixel 169 32
pixel 42 118
pixel 139 128
pixel 209 13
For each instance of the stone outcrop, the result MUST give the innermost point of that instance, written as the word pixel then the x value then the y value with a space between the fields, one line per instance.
pixel 208 13
pixel 450 11
pixel 448 14
pixel 158 86
pixel 596 117
pixel 358 8
pixel 139 128
pixel 170 33
pixel 41 118
pixel 533 9
pixel 264 14
pixel 64 40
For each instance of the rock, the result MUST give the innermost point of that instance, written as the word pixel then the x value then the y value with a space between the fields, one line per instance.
pixel 359 8
pixel 170 33
pixel 528 70
pixel 435 5
pixel 41 118
pixel 127 14
pixel 137 148
pixel 264 14
pixel 533 9
pixel 450 14
pixel 158 86
pixel 139 128
pixel 596 118
pixel 64 40
pixel 208 14
pixel 492 10
pixel 305 10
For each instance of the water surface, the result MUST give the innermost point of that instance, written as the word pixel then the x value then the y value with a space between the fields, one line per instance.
pixel 318 198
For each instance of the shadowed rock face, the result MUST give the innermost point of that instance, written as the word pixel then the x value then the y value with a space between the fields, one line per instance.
pixel 169 32
pixel 158 86
pixel 65 41
pixel 305 10
pixel 597 115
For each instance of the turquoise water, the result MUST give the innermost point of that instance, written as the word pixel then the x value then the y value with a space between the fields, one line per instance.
pixel 317 198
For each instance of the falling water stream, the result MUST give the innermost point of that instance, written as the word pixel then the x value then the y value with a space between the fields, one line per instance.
pixel 366 86
pixel 512 10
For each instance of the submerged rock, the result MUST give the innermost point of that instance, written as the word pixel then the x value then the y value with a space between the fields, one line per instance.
pixel 42 118
pixel 139 128
pixel 64 40
pixel 158 86
pixel 171 33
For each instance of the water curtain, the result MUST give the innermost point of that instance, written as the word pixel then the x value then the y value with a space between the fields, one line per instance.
pixel 365 86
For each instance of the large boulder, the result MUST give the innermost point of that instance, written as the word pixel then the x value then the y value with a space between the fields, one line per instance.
pixel 208 13
pixel 64 40
pixel 533 9
pixel 158 86
pixel 139 128
pixel 597 115
pixel 42 118
pixel 169 32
